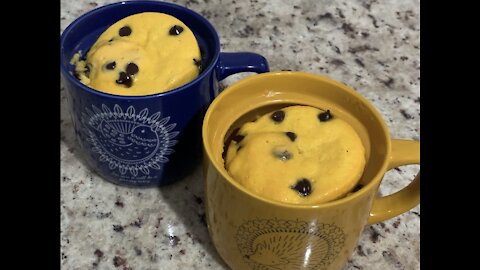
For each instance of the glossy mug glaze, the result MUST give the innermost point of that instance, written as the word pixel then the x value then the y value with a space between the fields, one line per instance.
pixel 250 232
pixel 147 140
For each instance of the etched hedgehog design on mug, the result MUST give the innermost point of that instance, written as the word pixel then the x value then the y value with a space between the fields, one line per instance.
pixel 129 141
pixel 289 244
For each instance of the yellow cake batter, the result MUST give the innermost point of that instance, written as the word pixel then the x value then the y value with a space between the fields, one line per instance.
pixel 142 54
pixel 298 154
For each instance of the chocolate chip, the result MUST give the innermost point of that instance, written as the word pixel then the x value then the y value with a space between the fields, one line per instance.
pixel 278 116
pixel 175 30
pixel 111 65
pixel 292 136
pixel 283 155
pixel 325 116
pixel 110 40
pixel 132 69
pixel 303 187
pixel 125 31
pixel 124 79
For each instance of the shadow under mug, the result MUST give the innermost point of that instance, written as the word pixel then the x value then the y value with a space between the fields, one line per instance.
pixel 147 140
pixel 251 232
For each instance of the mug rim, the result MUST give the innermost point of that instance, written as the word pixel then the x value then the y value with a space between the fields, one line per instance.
pixel 182 88
pixel 297 74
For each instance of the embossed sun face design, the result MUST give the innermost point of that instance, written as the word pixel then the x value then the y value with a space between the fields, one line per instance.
pixel 288 244
pixel 129 141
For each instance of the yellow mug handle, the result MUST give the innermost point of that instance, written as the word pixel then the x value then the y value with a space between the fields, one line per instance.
pixel 403 152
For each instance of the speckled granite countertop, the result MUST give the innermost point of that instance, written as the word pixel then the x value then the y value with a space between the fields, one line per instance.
pixel 371 45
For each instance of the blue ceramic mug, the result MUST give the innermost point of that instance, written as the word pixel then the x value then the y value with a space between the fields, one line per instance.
pixel 145 140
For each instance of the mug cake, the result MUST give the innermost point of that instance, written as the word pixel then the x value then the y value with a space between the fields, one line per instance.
pixel 142 54
pixel 298 154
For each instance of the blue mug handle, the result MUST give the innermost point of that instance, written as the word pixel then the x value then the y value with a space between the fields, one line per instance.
pixel 231 63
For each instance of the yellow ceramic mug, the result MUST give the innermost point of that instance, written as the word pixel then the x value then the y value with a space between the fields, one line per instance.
pixel 251 232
